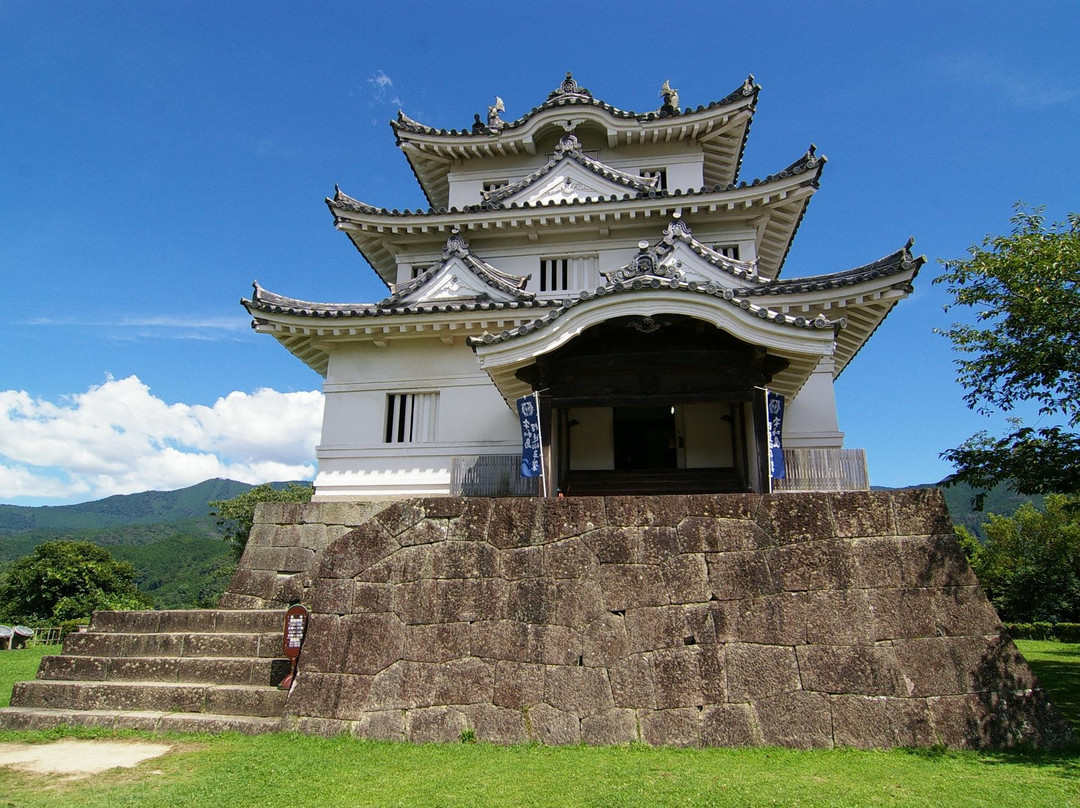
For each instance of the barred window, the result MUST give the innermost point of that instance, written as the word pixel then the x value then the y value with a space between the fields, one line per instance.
pixel 494 185
pixel 411 417
pixel 568 273
pixel 419 269
pixel 728 250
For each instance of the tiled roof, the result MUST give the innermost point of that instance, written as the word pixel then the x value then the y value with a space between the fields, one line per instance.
pixel 899 261
pixel 270 303
pixel 570 93
pixel 808 162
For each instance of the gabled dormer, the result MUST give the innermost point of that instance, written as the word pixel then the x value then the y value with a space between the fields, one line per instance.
pixel 459 276
pixel 572 176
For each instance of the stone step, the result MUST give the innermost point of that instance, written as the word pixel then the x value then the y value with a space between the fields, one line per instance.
pixel 174 621
pixel 30 718
pixel 184 697
pixel 218 670
pixel 174 644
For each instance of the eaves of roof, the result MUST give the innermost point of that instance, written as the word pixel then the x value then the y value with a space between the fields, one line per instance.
pixel 803 173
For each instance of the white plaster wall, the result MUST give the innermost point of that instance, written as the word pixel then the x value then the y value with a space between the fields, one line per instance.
pixel 353 459
pixel 810 419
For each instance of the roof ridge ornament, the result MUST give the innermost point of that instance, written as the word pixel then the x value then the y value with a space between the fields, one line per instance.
pixel 568 144
pixel 455 245
pixel 671 99
pixel 748 85
pixel 677 229
pixel 569 87
pixel 493 119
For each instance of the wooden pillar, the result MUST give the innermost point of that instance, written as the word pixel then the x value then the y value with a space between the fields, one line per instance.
pixel 547 444
pixel 761 441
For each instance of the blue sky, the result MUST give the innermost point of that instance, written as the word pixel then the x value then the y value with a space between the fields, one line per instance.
pixel 156 158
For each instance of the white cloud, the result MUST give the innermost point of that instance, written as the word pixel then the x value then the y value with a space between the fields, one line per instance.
pixel 383 87
pixel 118 438
pixel 976 71
pixel 155 327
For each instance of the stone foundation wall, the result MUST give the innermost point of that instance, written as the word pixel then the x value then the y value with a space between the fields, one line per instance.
pixel 802 620
pixel 284 549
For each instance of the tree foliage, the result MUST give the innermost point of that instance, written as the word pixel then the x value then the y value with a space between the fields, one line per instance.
pixel 237 515
pixel 1030 563
pixel 1023 346
pixel 65 580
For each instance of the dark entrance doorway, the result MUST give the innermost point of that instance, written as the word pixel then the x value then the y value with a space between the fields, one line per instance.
pixel 617 384
pixel 645 438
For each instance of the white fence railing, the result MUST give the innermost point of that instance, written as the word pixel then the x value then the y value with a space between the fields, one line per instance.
pixel 499 475
pixel 824 470
pixel 494 475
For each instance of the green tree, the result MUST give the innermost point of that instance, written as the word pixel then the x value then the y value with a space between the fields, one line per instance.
pixel 1030 563
pixel 1023 346
pixel 237 515
pixel 67 580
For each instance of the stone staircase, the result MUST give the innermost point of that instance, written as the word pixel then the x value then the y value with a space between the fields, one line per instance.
pixel 200 670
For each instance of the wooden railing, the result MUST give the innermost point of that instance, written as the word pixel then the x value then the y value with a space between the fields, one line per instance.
pixel 824 470
pixel 499 475
pixel 494 475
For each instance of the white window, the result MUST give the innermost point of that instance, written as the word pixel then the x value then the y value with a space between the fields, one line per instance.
pixel 411 417
pixel 419 269
pixel 494 185
pixel 728 250
pixel 574 272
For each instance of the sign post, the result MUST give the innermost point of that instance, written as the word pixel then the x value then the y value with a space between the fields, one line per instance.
pixel 296 620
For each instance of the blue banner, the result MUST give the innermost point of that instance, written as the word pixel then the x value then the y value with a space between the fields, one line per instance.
pixel 531 459
pixel 774 405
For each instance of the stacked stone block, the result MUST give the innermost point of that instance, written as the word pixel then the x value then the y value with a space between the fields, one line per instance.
pixel 793 619
pixel 284 547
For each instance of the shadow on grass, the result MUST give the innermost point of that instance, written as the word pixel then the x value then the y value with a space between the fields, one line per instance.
pixel 1061 680
pixel 1066 759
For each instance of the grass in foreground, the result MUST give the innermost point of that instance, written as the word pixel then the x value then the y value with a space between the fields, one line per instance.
pixel 325 773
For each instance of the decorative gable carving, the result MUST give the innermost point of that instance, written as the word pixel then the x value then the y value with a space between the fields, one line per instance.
pixel 572 176
pixel 459 276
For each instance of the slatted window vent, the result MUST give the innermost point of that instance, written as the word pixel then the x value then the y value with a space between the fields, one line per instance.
pixel 411 417
pixel 569 273
pixel 728 250
pixel 494 185
pixel 419 269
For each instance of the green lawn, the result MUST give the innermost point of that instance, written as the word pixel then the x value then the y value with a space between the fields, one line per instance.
pixel 19 665
pixel 1057 664
pixel 325 773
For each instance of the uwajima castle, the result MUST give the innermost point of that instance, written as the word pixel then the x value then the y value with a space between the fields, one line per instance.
pixel 611 269
pixel 615 263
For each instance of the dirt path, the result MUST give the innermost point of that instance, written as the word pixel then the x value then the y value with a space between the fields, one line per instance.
pixel 80 758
